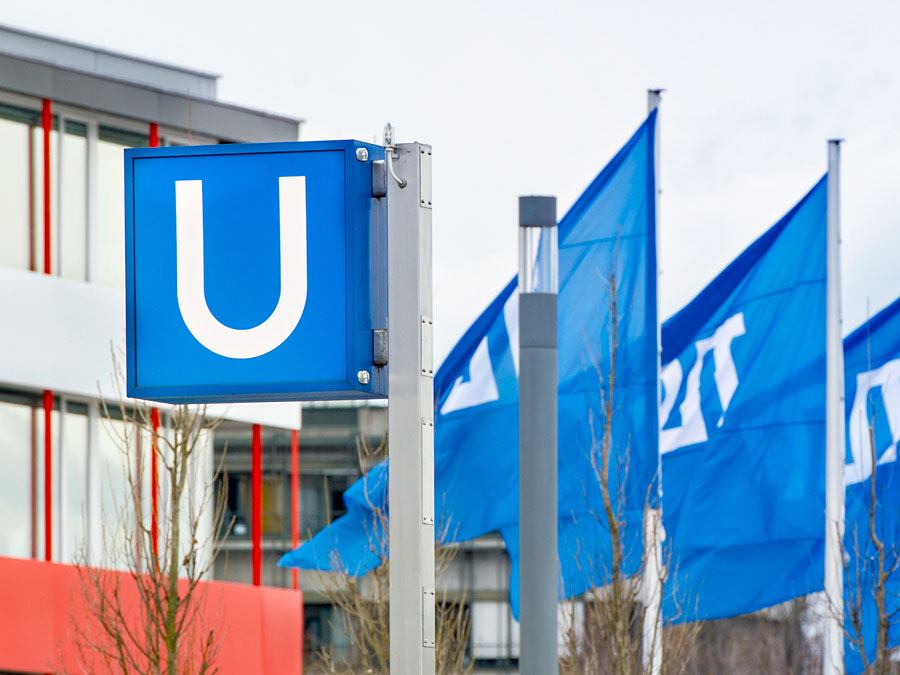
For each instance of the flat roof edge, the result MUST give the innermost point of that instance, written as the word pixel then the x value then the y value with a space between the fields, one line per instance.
pixel 100 78
pixel 108 52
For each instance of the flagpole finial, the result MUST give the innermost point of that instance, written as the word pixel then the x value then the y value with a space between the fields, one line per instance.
pixel 653 98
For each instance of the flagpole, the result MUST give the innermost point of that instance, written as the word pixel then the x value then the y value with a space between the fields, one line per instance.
pixel 653 526
pixel 833 663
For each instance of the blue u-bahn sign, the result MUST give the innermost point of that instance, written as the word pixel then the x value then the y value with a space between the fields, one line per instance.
pixel 254 272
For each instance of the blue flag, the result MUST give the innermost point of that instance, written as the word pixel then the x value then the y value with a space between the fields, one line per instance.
pixel 872 478
pixel 742 434
pixel 607 238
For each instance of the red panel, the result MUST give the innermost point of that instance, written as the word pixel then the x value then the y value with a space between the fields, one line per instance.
pixel 295 498
pixel 256 506
pixel 154 483
pixel 262 628
pixel 48 475
pixel 280 636
pixel 46 125
pixel 154 135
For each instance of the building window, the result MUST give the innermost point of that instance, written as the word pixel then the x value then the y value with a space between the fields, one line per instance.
pixel 323 627
pixel 321 503
pixel 238 513
pixel 16 479
pixel 274 513
pixel 22 425
pixel 73 454
pixel 22 195
pixel 237 509
pixel 116 507
pixel 71 249
pixel 495 635
pixel 322 499
pixel 39 425
pixel 37 194
pixel 15 186
pixel 110 239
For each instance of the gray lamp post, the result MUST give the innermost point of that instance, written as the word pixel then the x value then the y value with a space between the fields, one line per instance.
pixel 538 288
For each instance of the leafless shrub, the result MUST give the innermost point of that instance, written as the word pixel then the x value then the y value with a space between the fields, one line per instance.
pixel 151 615
pixel 779 640
pixel 363 603
pixel 622 616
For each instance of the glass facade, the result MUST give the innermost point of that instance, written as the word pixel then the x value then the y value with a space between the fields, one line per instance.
pixel 80 147
pixel 234 441
pixel 71 156
pixel 72 205
pixel 15 183
pixel 22 429
pixel 112 445
pixel 110 240
pixel 37 196
pixel 324 628
pixel 72 459
pixel 16 479
pixel 39 424
pixel 322 499
pixel 275 509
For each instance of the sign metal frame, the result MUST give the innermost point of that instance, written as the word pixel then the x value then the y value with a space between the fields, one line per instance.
pixel 388 251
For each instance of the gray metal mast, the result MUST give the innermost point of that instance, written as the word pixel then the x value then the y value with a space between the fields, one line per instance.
pixel 833 663
pixel 538 578
pixel 410 410
pixel 653 528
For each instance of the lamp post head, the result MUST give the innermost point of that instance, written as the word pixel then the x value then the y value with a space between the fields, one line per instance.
pixel 538 255
pixel 537 211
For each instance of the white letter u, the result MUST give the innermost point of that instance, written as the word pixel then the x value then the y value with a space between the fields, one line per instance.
pixel 240 343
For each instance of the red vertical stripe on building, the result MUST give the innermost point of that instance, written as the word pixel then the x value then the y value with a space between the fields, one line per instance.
pixel 295 497
pixel 48 475
pixel 153 142
pixel 154 485
pixel 256 506
pixel 46 125
pixel 139 499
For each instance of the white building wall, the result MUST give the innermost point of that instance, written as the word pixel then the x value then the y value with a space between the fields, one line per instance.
pixel 61 335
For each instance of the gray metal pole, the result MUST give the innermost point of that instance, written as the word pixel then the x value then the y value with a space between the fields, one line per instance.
pixel 411 413
pixel 538 577
pixel 833 663
pixel 654 534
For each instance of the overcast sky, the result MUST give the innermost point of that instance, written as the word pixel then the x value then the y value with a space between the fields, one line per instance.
pixel 527 97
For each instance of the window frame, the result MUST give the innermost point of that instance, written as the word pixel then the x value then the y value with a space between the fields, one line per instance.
pixel 93 121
